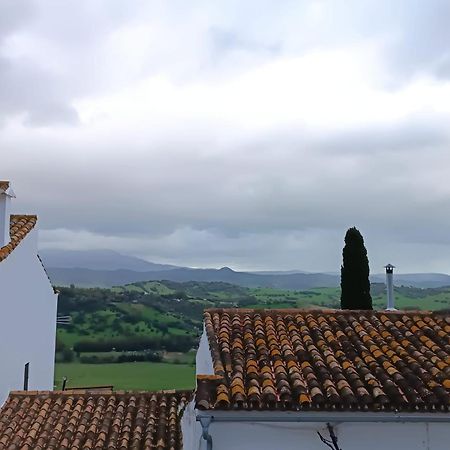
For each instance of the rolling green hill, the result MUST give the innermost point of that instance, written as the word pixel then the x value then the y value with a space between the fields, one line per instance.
pixel 166 310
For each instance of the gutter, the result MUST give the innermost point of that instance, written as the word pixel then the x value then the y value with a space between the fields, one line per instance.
pixel 205 422
pixel 337 417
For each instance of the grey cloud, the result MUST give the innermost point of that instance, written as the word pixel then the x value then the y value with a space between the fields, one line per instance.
pixel 237 192
pixel 422 44
pixel 247 251
pixel 415 35
pixel 14 14
pixel 211 40
pixel 225 41
pixel 29 90
pixel 71 34
pixel 214 195
pixel 416 133
pixel 223 213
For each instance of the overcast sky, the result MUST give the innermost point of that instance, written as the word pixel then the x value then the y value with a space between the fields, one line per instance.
pixel 247 134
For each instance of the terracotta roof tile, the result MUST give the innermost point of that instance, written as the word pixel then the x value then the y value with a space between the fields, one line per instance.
pixel 20 226
pixel 92 420
pixel 304 359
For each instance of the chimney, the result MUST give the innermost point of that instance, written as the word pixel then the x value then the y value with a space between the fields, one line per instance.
pixel 26 376
pixel 6 193
pixel 390 287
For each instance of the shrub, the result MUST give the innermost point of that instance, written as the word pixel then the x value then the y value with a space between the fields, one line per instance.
pixel 67 355
pixel 123 358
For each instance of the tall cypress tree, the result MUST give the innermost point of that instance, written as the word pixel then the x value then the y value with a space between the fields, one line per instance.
pixel 355 284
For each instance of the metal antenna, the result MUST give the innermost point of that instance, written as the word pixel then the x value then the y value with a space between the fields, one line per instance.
pixel 63 320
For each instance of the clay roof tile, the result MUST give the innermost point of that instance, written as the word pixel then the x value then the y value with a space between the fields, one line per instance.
pixel 61 420
pixel 310 359
pixel 20 226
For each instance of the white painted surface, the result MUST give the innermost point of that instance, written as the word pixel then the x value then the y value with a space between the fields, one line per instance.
pixel 390 288
pixel 27 320
pixel 303 436
pixel 5 208
pixel 191 429
pixel 203 358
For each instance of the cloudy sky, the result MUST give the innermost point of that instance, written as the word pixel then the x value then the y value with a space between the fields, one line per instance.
pixel 247 134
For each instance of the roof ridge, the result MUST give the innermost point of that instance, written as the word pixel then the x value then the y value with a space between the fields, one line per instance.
pixel 93 391
pixel 285 311
pixel 19 227
pixel 24 216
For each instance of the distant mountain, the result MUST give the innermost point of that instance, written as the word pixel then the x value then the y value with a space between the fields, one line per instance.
pixel 106 268
pixel 97 260
pixel 108 278
pixel 420 280
pixel 279 272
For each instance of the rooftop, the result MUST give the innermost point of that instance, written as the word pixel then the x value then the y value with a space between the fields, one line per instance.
pixel 92 420
pixel 327 360
pixel 20 226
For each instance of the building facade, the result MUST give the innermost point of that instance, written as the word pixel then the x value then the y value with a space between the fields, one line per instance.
pixel 28 304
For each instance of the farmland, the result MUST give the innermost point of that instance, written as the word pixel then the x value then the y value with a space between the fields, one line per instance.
pixel 127 376
pixel 158 324
pixel 405 298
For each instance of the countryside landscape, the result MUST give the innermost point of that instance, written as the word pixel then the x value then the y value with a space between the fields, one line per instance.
pixel 224 225
pixel 143 335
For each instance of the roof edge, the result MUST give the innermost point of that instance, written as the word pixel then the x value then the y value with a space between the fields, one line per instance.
pixel 335 416
pixel 93 391
pixel 24 216
pixel 348 312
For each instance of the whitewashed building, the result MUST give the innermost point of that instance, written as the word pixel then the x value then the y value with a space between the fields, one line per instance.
pixel 314 380
pixel 28 304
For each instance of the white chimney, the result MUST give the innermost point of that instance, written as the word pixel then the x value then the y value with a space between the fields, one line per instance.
pixel 390 287
pixel 6 193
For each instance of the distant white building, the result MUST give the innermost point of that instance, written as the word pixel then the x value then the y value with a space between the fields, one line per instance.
pixel 28 304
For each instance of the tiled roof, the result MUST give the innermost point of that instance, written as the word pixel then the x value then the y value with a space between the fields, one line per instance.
pixel 327 360
pixel 92 420
pixel 20 226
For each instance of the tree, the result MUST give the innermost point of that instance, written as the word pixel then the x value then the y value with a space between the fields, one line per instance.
pixel 67 355
pixel 355 284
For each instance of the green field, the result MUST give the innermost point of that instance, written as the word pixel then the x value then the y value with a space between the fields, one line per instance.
pixel 405 298
pixel 127 376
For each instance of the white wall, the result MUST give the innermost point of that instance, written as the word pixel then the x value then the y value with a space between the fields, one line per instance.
pixel 203 358
pixel 191 429
pixel 303 436
pixel 27 320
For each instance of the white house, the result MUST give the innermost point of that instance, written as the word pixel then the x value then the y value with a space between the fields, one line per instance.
pixel 28 304
pixel 362 379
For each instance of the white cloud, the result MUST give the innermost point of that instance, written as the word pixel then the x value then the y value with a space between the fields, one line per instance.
pixel 250 135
